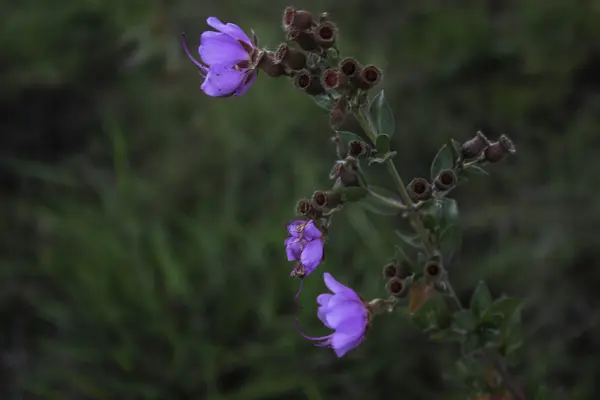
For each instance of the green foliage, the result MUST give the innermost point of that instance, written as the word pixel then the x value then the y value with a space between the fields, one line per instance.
pixel 381 201
pixel 347 137
pixel 325 101
pixel 443 160
pixel 481 300
pixel 382 115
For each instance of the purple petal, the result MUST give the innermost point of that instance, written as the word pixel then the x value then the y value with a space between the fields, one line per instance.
pixel 337 287
pixel 311 231
pixel 346 344
pixel 229 29
pixel 248 81
pixel 311 256
pixel 221 81
pixel 293 249
pixel 322 314
pixel 323 299
pixel 294 227
pixel 219 48
pixel 349 314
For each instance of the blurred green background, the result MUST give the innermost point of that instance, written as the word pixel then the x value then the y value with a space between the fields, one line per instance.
pixel 143 222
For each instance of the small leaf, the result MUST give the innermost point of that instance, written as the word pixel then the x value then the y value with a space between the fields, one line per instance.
pixel 381 201
pixel 382 159
pixel 465 320
pixel 450 242
pixel 447 335
pixel 473 171
pixel 481 300
pixel 506 306
pixel 455 148
pixel 346 137
pixel 443 160
pixel 381 115
pixel 450 214
pixel 420 293
pixel 352 194
pixel 411 239
pixel 471 345
pixel 382 145
pixel 325 101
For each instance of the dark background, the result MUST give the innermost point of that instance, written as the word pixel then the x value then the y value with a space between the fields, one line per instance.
pixel 142 255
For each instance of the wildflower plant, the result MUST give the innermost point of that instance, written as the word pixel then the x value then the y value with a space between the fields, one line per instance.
pixel 416 280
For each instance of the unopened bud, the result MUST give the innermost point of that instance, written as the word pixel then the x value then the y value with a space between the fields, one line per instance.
pixel 270 66
pixel 304 207
pixel 332 78
pixel 308 83
pixel 390 271
pixel 369 77
pixel 432 271
pixel 474 147
pixel 298 19
pixel 322 200
pixel 346 173
pixel 419 189
pixel 339 111
pixel 326 34
pixel 445 180
pixel 498 150
pixel 357 148
pixel 306 40
pixel 395 287
pixel 349 67
pixel 292 58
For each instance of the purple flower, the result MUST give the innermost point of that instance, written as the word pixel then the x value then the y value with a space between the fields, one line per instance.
pixel 229 59
pixel 305 246
pixel 344 312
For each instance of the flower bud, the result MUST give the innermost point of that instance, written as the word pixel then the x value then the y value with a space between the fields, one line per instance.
pixel 326 34
pixel 339 111
pixel 349 67
pixel 357 148
pixel 419 189
pixel 474 147
pixel 346 173
pixel 432 270
pixel 326 200
pixel 304 207
pixel 445 180
pixel 498 150
pixel 270 65
pixel 308 83
pixel 368 77
pixel 306 40
pixel 390 271
pixel 395 287
pixel 292 58
pixel 332 78
pixel 298 19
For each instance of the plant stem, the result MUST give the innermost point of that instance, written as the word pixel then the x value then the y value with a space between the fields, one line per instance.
pixel 492 357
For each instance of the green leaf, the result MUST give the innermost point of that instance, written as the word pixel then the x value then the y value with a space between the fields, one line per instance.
pixel 450 242
pixel 382 159
pixel 352 194
pixel 455 148
pixel 411 239
pixel 382 145
pixel 506 306
pixel 473 171
pixel 381 115
pixel 447 336
pixel 381 201
pixel 450 212
pixel 325 101
pixel 471 345
pixel 443 160
pixel 481 300
pixel 346 137
pixel 465 320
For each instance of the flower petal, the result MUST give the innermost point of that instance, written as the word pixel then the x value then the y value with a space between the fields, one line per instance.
pixel 344 344
pixel 351 314
pixel 337 287
pixel 219 48
pixel 323 299
pixel 229 29
pixel 221 81
pixel 311 231
pixel 311 256
pixel 293 249
pixel 294 228
pixel 248 81
pixel 322 314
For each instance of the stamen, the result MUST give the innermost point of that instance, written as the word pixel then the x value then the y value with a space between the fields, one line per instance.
pixel 187 51
pixel 305 336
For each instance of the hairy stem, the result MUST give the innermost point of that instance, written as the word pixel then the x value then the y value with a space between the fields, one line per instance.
pixel 492 357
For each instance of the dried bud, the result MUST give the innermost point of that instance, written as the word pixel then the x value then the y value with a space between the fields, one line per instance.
pixel 432 270
pixel 390 271
pixel 345 172
pixel 326 34
pixel 498 150
pixel 445 180
pixel 298 19
pixel 306 40
pixel 308 83
pixel 332 78
pixel 419 189
pixel 357 148
pixel 368 77
pixel 292 58
pixel 339 111
pixel 326 200
pixel 270 66
pixel 349 67
pixel 474 147
pixel 395 287
pixel 304 207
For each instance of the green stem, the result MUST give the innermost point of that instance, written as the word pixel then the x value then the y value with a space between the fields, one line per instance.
pixel 492 357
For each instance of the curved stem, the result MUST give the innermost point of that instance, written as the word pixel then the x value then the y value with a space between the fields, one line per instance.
pixel 492 357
